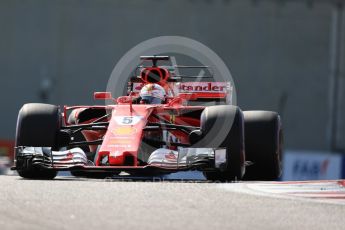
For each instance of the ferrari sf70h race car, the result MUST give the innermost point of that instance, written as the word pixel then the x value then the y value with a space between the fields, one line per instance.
pixel 184 126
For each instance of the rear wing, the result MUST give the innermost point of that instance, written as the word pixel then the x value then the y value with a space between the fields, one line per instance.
pixel 176 80
pixel 176 72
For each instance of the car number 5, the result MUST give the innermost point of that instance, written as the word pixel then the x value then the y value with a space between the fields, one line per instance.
pixel 127 120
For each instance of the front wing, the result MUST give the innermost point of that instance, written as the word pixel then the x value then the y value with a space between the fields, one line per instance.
pixel 164 160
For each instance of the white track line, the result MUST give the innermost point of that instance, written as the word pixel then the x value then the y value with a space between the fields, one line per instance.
pixel 315 191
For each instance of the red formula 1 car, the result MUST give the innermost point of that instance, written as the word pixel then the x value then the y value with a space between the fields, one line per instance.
pixel 141 136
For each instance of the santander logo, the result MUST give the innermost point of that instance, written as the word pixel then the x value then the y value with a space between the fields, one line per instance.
pixel 194 87
pixel 203 87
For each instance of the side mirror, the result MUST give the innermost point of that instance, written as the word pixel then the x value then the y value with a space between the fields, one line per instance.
pixel 102 96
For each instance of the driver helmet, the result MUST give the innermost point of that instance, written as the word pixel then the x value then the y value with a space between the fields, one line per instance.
pixel 152 94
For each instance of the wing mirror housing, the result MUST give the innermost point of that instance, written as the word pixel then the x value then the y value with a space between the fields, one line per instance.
pixel 102 96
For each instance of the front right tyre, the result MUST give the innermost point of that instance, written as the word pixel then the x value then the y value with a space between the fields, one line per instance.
pixel 38 125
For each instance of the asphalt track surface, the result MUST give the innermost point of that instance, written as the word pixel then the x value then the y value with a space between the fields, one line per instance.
pixel 72 203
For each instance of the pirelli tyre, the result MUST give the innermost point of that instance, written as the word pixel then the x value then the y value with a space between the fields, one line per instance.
pixel 263 143
pixel 213 120
pixel 38 125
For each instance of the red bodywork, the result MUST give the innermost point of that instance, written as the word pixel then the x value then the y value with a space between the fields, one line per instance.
pixel 127 122
pixel 125 131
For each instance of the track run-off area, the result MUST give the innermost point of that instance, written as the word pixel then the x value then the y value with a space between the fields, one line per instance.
pixel 76 203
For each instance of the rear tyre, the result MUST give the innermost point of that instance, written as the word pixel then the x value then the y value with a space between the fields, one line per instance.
pixel 263 142
pixel 212 120
pixel 38 125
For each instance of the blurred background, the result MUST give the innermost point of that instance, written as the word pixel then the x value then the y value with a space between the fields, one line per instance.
pixel 284 55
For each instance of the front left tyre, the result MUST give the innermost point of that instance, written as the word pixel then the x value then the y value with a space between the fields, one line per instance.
pixel 213 120
pixel 264 145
